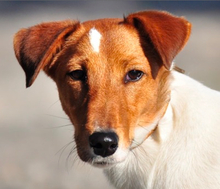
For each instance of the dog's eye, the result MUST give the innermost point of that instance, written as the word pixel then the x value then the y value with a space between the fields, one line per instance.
pixel 133 75
pixel 78 75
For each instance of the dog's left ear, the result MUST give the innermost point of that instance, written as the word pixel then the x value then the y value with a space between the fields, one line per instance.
pixel 163 33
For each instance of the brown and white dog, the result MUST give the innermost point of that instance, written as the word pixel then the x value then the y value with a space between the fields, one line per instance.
pixel 147 125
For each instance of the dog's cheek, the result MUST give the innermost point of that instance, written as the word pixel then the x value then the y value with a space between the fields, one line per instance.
pixel 145 109
pixel 82 145
pixel 73 97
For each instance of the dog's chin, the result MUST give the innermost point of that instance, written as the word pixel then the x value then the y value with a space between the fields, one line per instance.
pixel 107 162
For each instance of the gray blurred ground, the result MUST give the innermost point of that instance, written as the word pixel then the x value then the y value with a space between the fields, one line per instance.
pixel 32 143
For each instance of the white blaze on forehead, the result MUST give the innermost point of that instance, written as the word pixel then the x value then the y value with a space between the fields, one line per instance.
pixel 95 38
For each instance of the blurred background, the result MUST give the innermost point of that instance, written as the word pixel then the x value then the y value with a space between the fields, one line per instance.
pixel 34 131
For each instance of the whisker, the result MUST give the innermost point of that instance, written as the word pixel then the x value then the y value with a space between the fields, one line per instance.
pixel 138 154
pixel 75 157
pixel 61 151
pixel 55 127
pixel 57 116
pixel 53 104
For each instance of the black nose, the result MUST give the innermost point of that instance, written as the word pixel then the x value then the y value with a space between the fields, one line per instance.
pixel 104 144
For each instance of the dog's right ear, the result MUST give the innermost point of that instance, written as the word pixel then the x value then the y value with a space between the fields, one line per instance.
pixel 36 46
pixel 163 34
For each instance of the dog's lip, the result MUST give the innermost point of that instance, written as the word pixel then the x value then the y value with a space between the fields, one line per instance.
pixel 102 164
pixel 105 163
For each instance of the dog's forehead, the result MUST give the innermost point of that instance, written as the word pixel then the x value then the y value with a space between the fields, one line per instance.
pixel 108 34
pixel 106 44
pixel 108 28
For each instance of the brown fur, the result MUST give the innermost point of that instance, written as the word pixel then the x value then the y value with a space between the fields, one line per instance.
pixel 35 46
pixel 163 32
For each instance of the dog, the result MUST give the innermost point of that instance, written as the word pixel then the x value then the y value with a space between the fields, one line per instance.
pixel 147 125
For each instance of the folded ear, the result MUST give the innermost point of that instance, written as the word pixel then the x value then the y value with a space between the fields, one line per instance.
pixel 164 33
pixel 36 46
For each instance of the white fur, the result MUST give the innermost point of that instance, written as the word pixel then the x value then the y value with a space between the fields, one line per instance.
pixel 95 39
pixel 140 133
pixel 165 125
pixel 187 156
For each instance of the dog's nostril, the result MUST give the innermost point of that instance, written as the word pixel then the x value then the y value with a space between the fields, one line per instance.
pixel 98 145
pixel 104 144
pixel 113 146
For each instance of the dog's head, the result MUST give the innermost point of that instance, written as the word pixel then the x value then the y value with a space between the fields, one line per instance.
pixel 112 76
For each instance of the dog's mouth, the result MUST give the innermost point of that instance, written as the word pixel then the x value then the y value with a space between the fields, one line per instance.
pixel 87 155
pixel 104 149
pixel 105 162
pixel 101 162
